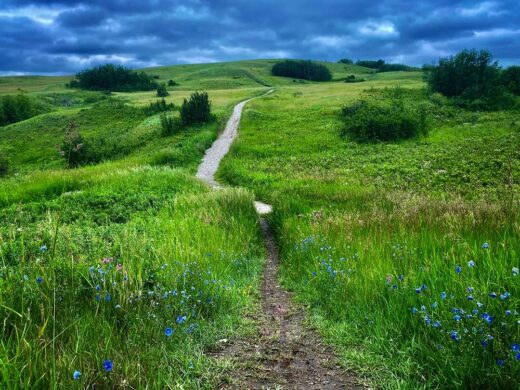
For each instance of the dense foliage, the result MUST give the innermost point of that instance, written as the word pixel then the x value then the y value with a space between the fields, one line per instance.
pixel 110 77
pixel 167 124
pixel 306 70
pixel 382 66
pixel 346 61
pixel 366 121
pixel 196 110
pixel 4 165
pixel 162 91
pixel 353 79
pixel 510 79
pixel 471 78
pixel 158 106
pixel 15 108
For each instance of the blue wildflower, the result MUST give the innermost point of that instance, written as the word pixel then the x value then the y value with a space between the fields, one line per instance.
pixel 469 289
pixel 418 290
pixel 394 286
pixel 423 308
pixel 518 356
pixel 515 347
pixel 458 269
pixel 401 278
pixel 43 248
pixel 443 295
pixel 436 324
pixel 508 312
pixel 168 332
pixel 313 273
pixel 180 319
pixel 456 317
pixel 500 362
pixel 76 375
pixel 414 310
pixel 454 335
pixel 493 295
pixel 515 271
pixel 97 297
pixel 39 280
pixel 108 365
pixel 98 287
pixel 423 287
pixel 427 320
pixel 108 298
pixel 504 295
pixel 470 297
pixel 485 245
pixel 474 312
pixel 434 305
pixel 471 264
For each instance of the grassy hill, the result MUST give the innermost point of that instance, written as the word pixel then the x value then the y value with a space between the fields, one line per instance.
pixel 132 259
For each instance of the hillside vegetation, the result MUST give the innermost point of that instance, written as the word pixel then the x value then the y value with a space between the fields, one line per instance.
pixel 395 210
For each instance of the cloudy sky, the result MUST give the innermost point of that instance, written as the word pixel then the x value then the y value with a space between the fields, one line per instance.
pixel 64 36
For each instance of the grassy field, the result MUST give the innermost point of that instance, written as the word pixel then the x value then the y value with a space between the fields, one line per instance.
pixel 405 254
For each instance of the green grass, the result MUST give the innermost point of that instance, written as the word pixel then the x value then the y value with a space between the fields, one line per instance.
pixel 350 218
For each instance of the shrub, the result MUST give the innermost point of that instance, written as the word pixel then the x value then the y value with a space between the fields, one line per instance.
pixel 510 79
pixel 4 165
pixel 346 61
pixel 369 122
pixel 471 78
pixel 370 63
pixel 353 79
pixel 157 107
pixel 161 91
pixel 167 124
pixel 172 83
pixel 196 110
pixel 110 77
pixel 15 108
pixel 73 147
pixel 306 70
pixel 382 66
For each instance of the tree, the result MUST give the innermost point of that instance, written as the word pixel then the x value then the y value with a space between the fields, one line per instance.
pixel 510 79
pixel 196 110
pixel 110 77
pixel 73 148
pixel 162 91
pixel 346 61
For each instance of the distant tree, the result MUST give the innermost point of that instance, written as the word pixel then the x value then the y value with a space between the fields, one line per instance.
pixel 196 110
pixel 370 63
pixel 73 148
pixel 346 61
pixel 110 77
pixel 171 83
pixel 472 78
pixel 162 91
pixel 306 70
pixel 15 108
pixel 510 79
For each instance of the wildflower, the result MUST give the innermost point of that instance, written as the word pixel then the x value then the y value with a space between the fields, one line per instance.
pixel 434 305
pixel 458 269
pixel 423 308
pixel 508 312
pixel 98 287
pixel 454 335
pixel 168 332
pixel 518 356
pixel 515 271
pixel 418 290
pixel 401 278
pixel 118 307
pixel 423 287
pixel 470 297
pixel 108 298
pixel 493 295
pixel 414 310
pixel 471 264
pixel 443 295
pixel 394 286
pixel 515 347
pixel 469 289
pixel 479 305
pixel 388 279
pixel 107 260
pixel 485 245
pixel 427 320
pixel 456 317
pixel 436 324
pixel 180 319
pixel 500 362
pixel 313 273
pixel 43 248
pixel 474 312
pixel 504 295
pixel 97 297
pixel 39 280
pixel 25 277
pixel 76 375
pixel 119 267
pixel 108 365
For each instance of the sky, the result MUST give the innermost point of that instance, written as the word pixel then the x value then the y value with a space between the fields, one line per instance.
pixel 65 36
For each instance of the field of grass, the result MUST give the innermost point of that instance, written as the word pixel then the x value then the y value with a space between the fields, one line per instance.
pixel 407 253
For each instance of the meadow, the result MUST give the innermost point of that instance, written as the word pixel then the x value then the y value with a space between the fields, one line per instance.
pixel 127 272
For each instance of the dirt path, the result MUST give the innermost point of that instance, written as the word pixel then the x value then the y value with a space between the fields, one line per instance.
pixel 286 354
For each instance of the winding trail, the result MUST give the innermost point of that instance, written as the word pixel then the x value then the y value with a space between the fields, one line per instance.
pixel 287 354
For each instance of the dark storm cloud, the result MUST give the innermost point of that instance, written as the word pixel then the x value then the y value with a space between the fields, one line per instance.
pixel 60 36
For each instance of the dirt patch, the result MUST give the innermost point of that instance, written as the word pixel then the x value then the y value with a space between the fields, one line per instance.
pixel 287 354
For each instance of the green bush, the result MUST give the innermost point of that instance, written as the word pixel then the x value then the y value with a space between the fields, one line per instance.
pixel 346 61
pixel 370 122
pixel 167 124
pixel 510 79
pixel 73 148
pixel 162 91
pixel 382 66
pixel 306 70
pixel 353 79
pixel 196 110
pixel 16 108
pixel 172 83
pixel 472 79
pixel 4 165
pixel 157 107
pixel 110 77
